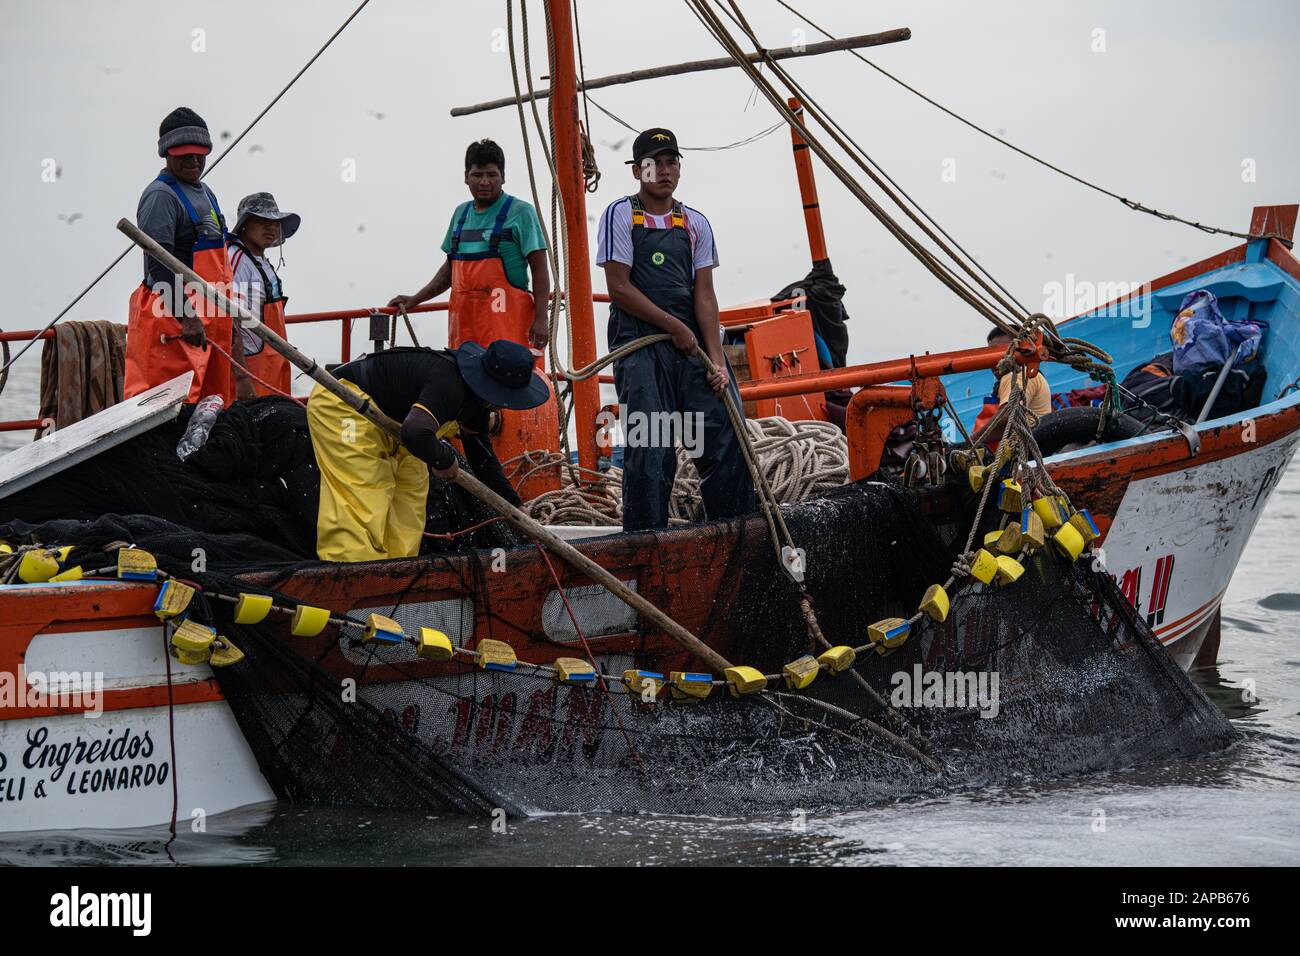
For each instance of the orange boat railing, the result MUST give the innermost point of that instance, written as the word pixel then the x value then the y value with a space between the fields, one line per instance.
pixel 343 316
pixel 854 376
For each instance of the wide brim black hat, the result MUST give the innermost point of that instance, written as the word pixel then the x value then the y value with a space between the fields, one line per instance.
pixel 492 373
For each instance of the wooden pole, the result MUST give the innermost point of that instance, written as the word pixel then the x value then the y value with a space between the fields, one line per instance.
pixel 803 168
pixel 465 480
pixel 573 191
pixel 693 66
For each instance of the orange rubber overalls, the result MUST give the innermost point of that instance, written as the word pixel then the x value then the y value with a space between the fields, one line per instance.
pixel 259 358
pixel 150 360
pixel 484 305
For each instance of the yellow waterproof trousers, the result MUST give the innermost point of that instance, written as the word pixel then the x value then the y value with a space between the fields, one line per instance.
pixel 372 490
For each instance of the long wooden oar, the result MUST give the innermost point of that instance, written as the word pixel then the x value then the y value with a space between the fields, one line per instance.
pixel 465 480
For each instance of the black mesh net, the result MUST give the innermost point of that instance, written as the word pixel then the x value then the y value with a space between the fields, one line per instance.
pixel 1053 675
pixel 255 476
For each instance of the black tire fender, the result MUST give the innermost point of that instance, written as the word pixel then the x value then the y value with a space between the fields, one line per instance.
pixel 1078 426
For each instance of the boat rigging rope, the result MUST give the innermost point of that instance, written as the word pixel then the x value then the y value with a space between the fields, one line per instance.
pixel 210 167
pixel 1131 204
pixel 805 96
pixel 1018 327
pixel 1005 315
pixel 590 170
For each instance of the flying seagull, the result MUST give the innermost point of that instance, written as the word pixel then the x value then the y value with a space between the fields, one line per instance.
pixel 70 219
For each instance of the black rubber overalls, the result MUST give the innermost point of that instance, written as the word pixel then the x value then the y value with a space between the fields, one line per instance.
pixel 660 379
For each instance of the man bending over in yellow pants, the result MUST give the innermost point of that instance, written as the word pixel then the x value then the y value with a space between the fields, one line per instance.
pixel 373 487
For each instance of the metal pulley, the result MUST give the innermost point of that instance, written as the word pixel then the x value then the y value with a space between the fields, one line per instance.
pixel 927 462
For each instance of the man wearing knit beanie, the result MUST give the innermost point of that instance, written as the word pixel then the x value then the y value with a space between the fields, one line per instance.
pixel 170 329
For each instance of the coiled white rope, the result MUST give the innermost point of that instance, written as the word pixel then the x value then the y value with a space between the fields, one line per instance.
pixel 800 459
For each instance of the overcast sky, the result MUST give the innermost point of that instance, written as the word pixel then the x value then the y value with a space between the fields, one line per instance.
pixel 1184 93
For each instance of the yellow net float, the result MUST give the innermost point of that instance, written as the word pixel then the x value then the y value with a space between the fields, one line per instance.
pixel 891 632
pixel 1082 522
pixel 1050 511
pixel 963 460
pixel 173 599
pixel 252 608
pixel 935 603
pixel 225 653
pixel 798 674
pixel 193 637
pixel 1009 569
pixel 1009 497
pixel 574 670
pixel 496 655
pixel 686 685
pixel 382 629
pixel 134 564
pixel 1009 540
pixel 983 566
pixel 992 538
pixel 432 644
pixel 308 621
pixel 37 567
pixel 192 658
pixel 744 680
pixel 976 476
pixel 838 658
pixel 1032 533
pixel 74 573
pixel 644 684
pixel 1069 542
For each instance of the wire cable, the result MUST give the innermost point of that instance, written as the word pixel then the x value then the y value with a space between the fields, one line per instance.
pixel 213 165
pixel 1130 203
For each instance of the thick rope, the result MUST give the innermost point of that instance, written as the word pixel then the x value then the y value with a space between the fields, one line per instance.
pixel 800 460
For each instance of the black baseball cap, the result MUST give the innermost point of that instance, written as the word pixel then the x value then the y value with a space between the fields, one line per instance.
pixel 653 142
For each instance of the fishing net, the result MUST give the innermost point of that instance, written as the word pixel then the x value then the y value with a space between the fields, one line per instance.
pixel 255 476
pixel 1081 683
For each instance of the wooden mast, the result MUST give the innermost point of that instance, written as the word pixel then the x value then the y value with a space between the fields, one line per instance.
pixel 568 166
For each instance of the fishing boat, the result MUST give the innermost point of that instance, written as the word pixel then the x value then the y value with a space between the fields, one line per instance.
pixel 1174 509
